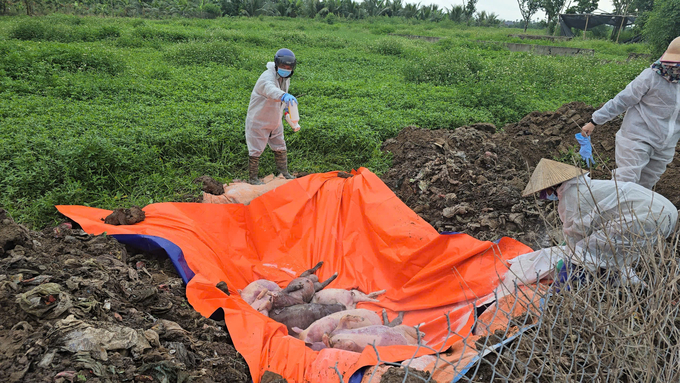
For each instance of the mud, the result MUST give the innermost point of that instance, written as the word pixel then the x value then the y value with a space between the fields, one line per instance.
pixel 129 216
pixel 78 307
pixel 470 179
pixel 210 185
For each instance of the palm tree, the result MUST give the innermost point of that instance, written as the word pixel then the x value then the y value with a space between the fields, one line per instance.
pixel 456 13
pixel 394 7
pixel 410 11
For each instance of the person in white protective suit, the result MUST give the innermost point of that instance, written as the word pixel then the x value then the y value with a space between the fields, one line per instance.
pixel 646 142
pixel 264 124
pixel 607 224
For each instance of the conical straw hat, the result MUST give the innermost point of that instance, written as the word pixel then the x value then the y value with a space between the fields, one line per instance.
pixel 672 54
pixel 550 173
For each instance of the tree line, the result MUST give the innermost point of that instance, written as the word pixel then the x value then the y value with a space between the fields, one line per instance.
pixel 349 9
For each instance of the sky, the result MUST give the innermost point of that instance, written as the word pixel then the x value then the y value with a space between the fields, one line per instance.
pixel 505 9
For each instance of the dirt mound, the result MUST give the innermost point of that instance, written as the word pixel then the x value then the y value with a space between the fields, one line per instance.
pixel 466 180
pixel 470 179
pixel 78 307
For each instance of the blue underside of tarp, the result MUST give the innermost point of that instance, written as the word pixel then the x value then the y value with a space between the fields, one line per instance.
pixel 153 244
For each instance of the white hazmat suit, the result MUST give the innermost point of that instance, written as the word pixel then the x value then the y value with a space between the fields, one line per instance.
pixel 265 112
pixel 646 142
pixel 606 224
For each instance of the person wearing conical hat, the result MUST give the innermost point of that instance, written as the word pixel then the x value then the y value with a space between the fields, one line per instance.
pixel 606 223
pixel 646 142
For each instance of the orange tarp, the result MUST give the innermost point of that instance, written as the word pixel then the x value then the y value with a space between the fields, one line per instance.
pixel 359 228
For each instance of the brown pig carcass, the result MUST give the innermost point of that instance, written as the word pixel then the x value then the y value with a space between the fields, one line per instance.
pixel 257 290
pixel 301 289
pixel 349 298
pixel 345 319
pixel 357 339
pixel 302 315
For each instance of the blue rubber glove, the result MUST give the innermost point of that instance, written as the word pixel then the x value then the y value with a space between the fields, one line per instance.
pixel 288 98
pixel 586 151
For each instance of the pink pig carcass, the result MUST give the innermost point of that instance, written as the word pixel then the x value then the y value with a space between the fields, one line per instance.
pixel 349 298
pixel 346 319
pixel 357 339
pixel 258 290
pixel 263 304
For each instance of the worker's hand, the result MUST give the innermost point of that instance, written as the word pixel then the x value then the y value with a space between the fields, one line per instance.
pixel 288 98
pixel 587 129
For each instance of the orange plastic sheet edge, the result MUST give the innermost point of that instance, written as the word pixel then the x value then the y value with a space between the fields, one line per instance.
pixel 360 229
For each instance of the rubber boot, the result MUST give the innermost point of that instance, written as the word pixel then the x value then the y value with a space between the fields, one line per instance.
pixel 281 159
pixel 253 167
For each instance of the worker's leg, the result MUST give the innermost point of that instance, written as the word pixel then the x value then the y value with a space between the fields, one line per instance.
pixel 656 166
pixel 257 141
pixel 631 157
pixel 278 145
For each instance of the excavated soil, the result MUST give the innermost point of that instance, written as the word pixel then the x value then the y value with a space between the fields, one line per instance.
pixel 77 307
pixel 470 179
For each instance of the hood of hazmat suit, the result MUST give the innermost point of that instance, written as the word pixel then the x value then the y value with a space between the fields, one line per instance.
pixel 265 110
pixel 610 224
pixel 652 106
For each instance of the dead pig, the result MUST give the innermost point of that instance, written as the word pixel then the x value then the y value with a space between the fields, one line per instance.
pixel 357 339
pixel 303 315
pixel 257 290
pixel 349 298
pixel 258 295
pixel 345 319
pixel 301 289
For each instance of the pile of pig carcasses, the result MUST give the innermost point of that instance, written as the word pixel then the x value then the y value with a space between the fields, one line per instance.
pixel 328 318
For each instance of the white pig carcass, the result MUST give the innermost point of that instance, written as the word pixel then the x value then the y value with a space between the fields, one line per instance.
pixel 346 319
pixel 359 338
pixel 348 298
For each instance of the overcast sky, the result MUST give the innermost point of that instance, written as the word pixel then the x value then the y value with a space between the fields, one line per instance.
pixel 505 9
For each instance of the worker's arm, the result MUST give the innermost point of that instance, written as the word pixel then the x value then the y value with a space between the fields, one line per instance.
pixel 266 86
pixel 628 97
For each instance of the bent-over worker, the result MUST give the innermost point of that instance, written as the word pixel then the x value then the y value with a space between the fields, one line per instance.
pixel 606 223
pixel 646 142
pixel 264 124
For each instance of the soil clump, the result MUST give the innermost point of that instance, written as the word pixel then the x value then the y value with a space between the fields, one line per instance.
pixel 129 216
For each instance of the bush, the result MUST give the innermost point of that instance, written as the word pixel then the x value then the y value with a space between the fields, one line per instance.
pixel 662 25
pixel 202 53
pixel 73 59
pixel 212 11
pixel 173 36
pixel 389 46
pixel 444 69
pixel 44 30
pixel 28 30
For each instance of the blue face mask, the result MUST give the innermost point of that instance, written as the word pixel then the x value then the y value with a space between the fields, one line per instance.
pixel 284 72
pixel 550 197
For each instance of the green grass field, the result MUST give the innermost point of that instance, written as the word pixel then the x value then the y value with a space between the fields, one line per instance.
pixel 114 112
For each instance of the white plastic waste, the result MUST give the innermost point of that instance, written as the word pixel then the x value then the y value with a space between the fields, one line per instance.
pixel 293 116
